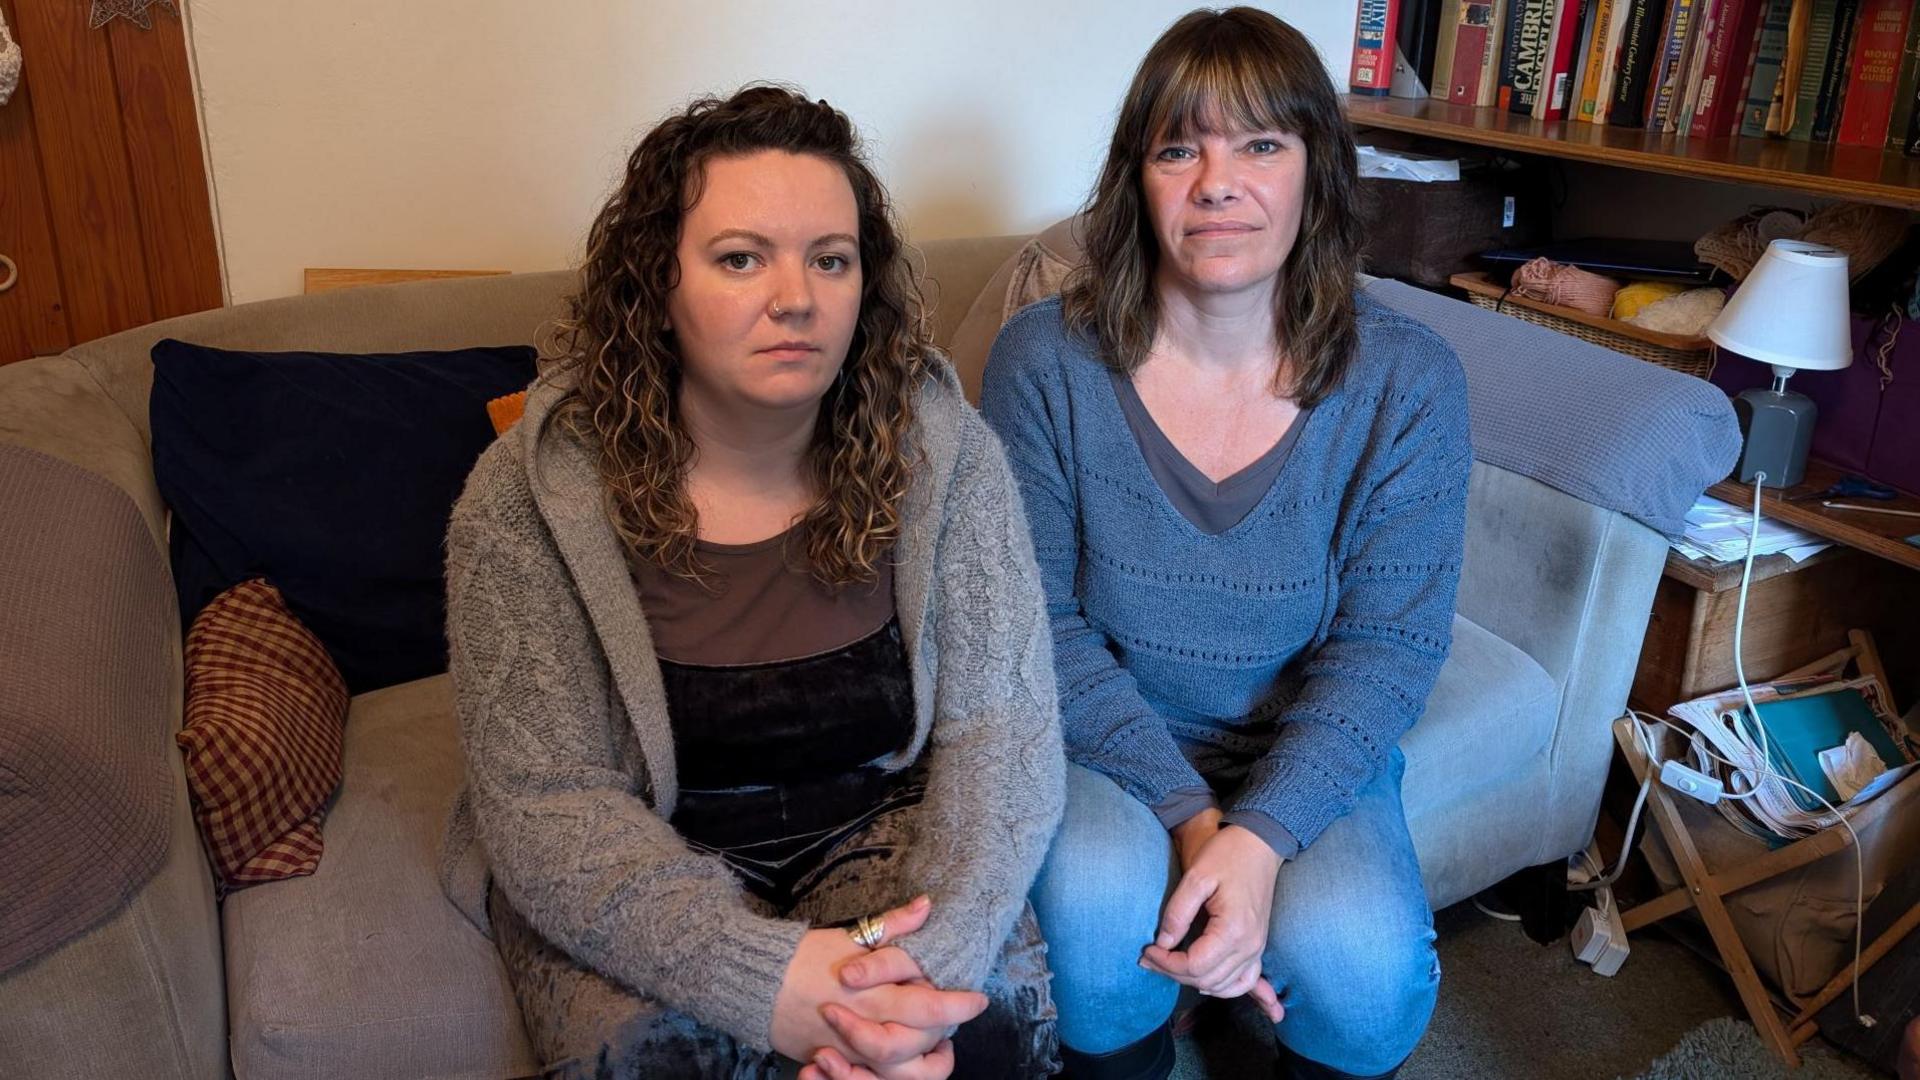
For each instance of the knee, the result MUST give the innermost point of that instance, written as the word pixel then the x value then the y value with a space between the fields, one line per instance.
pixel 1108 862
pixel 1359 1006
pixel 1098 903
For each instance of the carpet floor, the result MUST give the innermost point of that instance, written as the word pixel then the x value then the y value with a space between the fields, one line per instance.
pixel 1511 1008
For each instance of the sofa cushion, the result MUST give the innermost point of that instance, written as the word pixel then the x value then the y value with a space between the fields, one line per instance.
pixel 1492 710
pixel 264 708
pixel 365 969
pixel 331 475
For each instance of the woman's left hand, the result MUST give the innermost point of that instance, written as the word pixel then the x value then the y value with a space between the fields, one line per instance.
pixel 1231 878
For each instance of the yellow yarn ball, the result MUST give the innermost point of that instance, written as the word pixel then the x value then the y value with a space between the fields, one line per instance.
pixel 1628 301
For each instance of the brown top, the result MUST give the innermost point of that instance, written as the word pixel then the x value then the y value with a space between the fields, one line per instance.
pixel 759 605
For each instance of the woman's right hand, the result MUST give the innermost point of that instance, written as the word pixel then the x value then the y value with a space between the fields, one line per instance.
pixel 874 1010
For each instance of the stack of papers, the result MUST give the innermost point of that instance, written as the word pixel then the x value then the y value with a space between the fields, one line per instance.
pixel 1718 531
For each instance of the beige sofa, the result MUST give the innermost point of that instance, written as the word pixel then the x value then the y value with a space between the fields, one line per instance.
pixel 364 970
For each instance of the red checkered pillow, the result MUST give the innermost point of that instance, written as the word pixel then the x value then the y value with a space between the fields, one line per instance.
pixel 265 710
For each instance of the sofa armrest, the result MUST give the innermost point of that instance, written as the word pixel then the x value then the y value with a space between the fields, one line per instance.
pixel 143 994
pixel 140 992
pixel 1571 584
pixel 56 406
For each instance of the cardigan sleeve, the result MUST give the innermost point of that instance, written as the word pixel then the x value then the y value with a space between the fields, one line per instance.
pixel 996 775
pixel 1398 574
pixel 568 836
pixel 1108 725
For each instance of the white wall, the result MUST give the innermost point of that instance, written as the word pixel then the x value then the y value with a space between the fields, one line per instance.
pixel 486 133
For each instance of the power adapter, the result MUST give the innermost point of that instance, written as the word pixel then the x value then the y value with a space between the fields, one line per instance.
pixel 1599 938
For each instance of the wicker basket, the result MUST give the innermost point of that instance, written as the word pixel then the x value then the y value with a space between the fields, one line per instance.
pixel 1689 356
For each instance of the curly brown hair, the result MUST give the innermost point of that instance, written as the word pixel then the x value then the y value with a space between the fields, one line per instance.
pixel 1242 69
pixel 627 369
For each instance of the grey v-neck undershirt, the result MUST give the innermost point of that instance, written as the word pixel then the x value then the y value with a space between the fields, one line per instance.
pixel 1213 508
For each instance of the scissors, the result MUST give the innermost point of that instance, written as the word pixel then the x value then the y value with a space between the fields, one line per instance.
pixel 1851 486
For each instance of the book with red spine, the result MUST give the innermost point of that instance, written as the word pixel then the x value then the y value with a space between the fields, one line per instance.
pixel 1874 69
pixel 1557 91
pixel 1469 51
pixel 1727 54
pixel 1374 25
pixel 1736 114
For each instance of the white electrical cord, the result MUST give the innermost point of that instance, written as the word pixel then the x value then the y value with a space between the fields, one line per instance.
pixel 1752 716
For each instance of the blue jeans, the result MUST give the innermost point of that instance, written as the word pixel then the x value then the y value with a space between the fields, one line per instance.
pixel 1350 949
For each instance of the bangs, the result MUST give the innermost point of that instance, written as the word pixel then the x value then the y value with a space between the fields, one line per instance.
pixel 1230 85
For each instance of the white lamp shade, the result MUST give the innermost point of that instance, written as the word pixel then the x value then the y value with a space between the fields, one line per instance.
pixel 1792 309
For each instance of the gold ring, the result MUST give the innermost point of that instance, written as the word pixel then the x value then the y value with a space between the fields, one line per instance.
pixel 869 931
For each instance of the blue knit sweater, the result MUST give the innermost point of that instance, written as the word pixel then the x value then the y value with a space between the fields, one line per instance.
pixel 1307 636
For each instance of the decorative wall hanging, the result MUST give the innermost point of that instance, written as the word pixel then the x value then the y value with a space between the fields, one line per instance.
pixel 9 62
pixel 134 11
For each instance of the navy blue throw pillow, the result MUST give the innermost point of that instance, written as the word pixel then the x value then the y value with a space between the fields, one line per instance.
pixel 332 476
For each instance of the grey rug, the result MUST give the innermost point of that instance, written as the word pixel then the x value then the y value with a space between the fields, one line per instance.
pixel 1729 1049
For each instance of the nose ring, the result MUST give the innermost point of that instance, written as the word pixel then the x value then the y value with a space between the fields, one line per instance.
pixel 776 311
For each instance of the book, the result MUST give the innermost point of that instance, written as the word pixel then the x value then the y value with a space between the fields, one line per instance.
pixel 1766 68
pixel 1675 38
pixel 1523 68
pixel 1416 43
pixel 1874 70
pixel 1720 94
pixel 1903 91
pixel 1560 52
pixel 1833 87
pixel 1599 22
pixel 1735 114
pixel 1630 88
pixel 1686 91
pixel 1443 56
pixel 1819 44
pixel 1373 35
pixel 1612 49
pixel 1476 54
pixel 1912 148
pixel 1780 111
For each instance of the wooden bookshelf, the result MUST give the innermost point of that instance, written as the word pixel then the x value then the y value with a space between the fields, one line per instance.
pixel 1857 173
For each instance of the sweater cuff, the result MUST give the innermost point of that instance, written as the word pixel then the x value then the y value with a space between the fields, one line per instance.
pixel 747 965
pixel 1175 810
pixel 1271 832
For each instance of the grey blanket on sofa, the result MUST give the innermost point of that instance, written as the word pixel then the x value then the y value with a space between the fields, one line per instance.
pixel 87 670
pixel 1617 432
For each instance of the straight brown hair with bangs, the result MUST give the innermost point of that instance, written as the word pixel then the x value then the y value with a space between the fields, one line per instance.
pixel 1240 69
pixel 625 366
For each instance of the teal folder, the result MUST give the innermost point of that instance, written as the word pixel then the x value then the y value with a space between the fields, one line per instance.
pixel 1799 728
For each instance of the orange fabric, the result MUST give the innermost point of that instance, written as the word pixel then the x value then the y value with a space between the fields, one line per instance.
pixel 505 411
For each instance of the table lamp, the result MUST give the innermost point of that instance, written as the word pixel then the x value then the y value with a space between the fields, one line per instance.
pixel 1790 312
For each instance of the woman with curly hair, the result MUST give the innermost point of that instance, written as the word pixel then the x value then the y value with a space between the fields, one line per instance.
pixel 1247 484
pixel 752 672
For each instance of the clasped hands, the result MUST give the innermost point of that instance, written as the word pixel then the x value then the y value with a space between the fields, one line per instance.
pixel 851 1014
pixel 1228 873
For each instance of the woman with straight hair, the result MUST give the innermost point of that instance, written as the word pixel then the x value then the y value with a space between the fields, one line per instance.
pixel 748 647
pixel 1247 487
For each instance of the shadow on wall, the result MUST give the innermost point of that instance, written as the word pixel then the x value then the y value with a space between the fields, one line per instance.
pixel 950 177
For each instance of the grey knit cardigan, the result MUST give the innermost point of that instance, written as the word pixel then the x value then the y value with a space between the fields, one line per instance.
pixel 570 758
